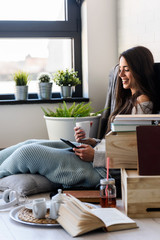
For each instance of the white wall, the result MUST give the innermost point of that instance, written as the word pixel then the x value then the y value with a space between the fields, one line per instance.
pixel 139 24
pixel 99 47
pixel 21 122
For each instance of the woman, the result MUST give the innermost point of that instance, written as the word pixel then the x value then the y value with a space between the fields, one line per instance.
pixel 86 165
pixel 135 94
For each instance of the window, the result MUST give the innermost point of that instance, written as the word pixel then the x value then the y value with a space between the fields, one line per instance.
pixel 37 10
pixel 33 55
pixel 47 38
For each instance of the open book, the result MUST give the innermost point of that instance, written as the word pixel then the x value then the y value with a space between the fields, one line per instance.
pixel 76 218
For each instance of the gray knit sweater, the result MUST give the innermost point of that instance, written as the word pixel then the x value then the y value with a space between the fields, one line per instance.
pixel 100 149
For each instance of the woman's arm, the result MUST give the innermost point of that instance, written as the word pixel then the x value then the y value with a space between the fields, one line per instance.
pixel 96 155
pixel 144 105
pixel 99 159
pixel 142 98
pixel 143 108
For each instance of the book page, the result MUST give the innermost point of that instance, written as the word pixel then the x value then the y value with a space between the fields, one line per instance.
pixel 111 216
pixel 80 205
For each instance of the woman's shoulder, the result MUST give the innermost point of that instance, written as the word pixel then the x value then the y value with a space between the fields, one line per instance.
pixel 144 105
pixel 143 98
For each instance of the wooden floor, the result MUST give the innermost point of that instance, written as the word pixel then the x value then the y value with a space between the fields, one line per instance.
pixel 11 230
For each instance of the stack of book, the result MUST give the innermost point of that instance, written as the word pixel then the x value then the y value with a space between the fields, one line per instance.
pixel 128 122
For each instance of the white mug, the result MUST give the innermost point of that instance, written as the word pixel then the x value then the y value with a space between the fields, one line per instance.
pixel 54 208
pixel 85 126
pixel 39 208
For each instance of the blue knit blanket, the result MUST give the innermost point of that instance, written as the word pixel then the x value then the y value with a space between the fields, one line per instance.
pixel 51 159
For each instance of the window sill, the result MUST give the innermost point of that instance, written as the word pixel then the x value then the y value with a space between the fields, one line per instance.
pixel 33 99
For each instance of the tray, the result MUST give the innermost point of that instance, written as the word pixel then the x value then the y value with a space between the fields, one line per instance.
pixel 14 216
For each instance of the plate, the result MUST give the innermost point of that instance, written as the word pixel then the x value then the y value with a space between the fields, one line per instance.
pixel 14 216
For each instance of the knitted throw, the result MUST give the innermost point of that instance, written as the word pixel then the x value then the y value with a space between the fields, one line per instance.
pixel 51 159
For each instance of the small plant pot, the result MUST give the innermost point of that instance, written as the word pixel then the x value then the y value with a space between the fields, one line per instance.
pixel 66 91
pixel 45 90
pixel 21 93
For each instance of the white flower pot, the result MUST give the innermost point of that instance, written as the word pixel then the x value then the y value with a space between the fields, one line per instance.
pixel 64 127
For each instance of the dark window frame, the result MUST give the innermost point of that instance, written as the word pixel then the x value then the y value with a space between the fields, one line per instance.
pixel 71 28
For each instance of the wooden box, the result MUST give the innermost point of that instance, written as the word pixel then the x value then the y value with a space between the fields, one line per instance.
pixel 121 148
pixel 140 194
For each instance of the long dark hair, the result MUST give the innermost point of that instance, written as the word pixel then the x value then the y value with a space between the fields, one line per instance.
pixel 141 64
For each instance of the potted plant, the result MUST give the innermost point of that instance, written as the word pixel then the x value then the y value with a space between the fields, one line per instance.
pixel 21 80
pixel 66 79
pixel 45 85
pixel 61 122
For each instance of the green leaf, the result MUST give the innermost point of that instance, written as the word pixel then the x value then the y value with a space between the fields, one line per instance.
pixel 75 110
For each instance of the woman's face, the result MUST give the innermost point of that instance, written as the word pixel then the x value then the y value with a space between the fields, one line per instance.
pixel 128 80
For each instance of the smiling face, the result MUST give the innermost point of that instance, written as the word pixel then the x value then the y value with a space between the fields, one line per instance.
pixel 125 74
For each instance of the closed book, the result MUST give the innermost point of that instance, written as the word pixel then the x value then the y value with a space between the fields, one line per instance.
pixel 148 139
pixel 123 127
pixel 153 117
pixel 91 196
pixel 133 122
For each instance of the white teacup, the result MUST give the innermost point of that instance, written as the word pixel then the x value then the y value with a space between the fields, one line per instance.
pixel 39 208
pixel 54 208
pixel 86 125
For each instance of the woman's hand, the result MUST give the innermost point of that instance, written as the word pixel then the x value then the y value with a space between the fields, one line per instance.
pixel 79 134
pixel 85 152
pixel 80 137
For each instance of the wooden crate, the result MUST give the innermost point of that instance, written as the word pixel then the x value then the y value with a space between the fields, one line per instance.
pixel 121 148
pixel 140 194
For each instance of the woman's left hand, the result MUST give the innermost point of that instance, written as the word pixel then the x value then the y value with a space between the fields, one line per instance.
pixel 85 152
